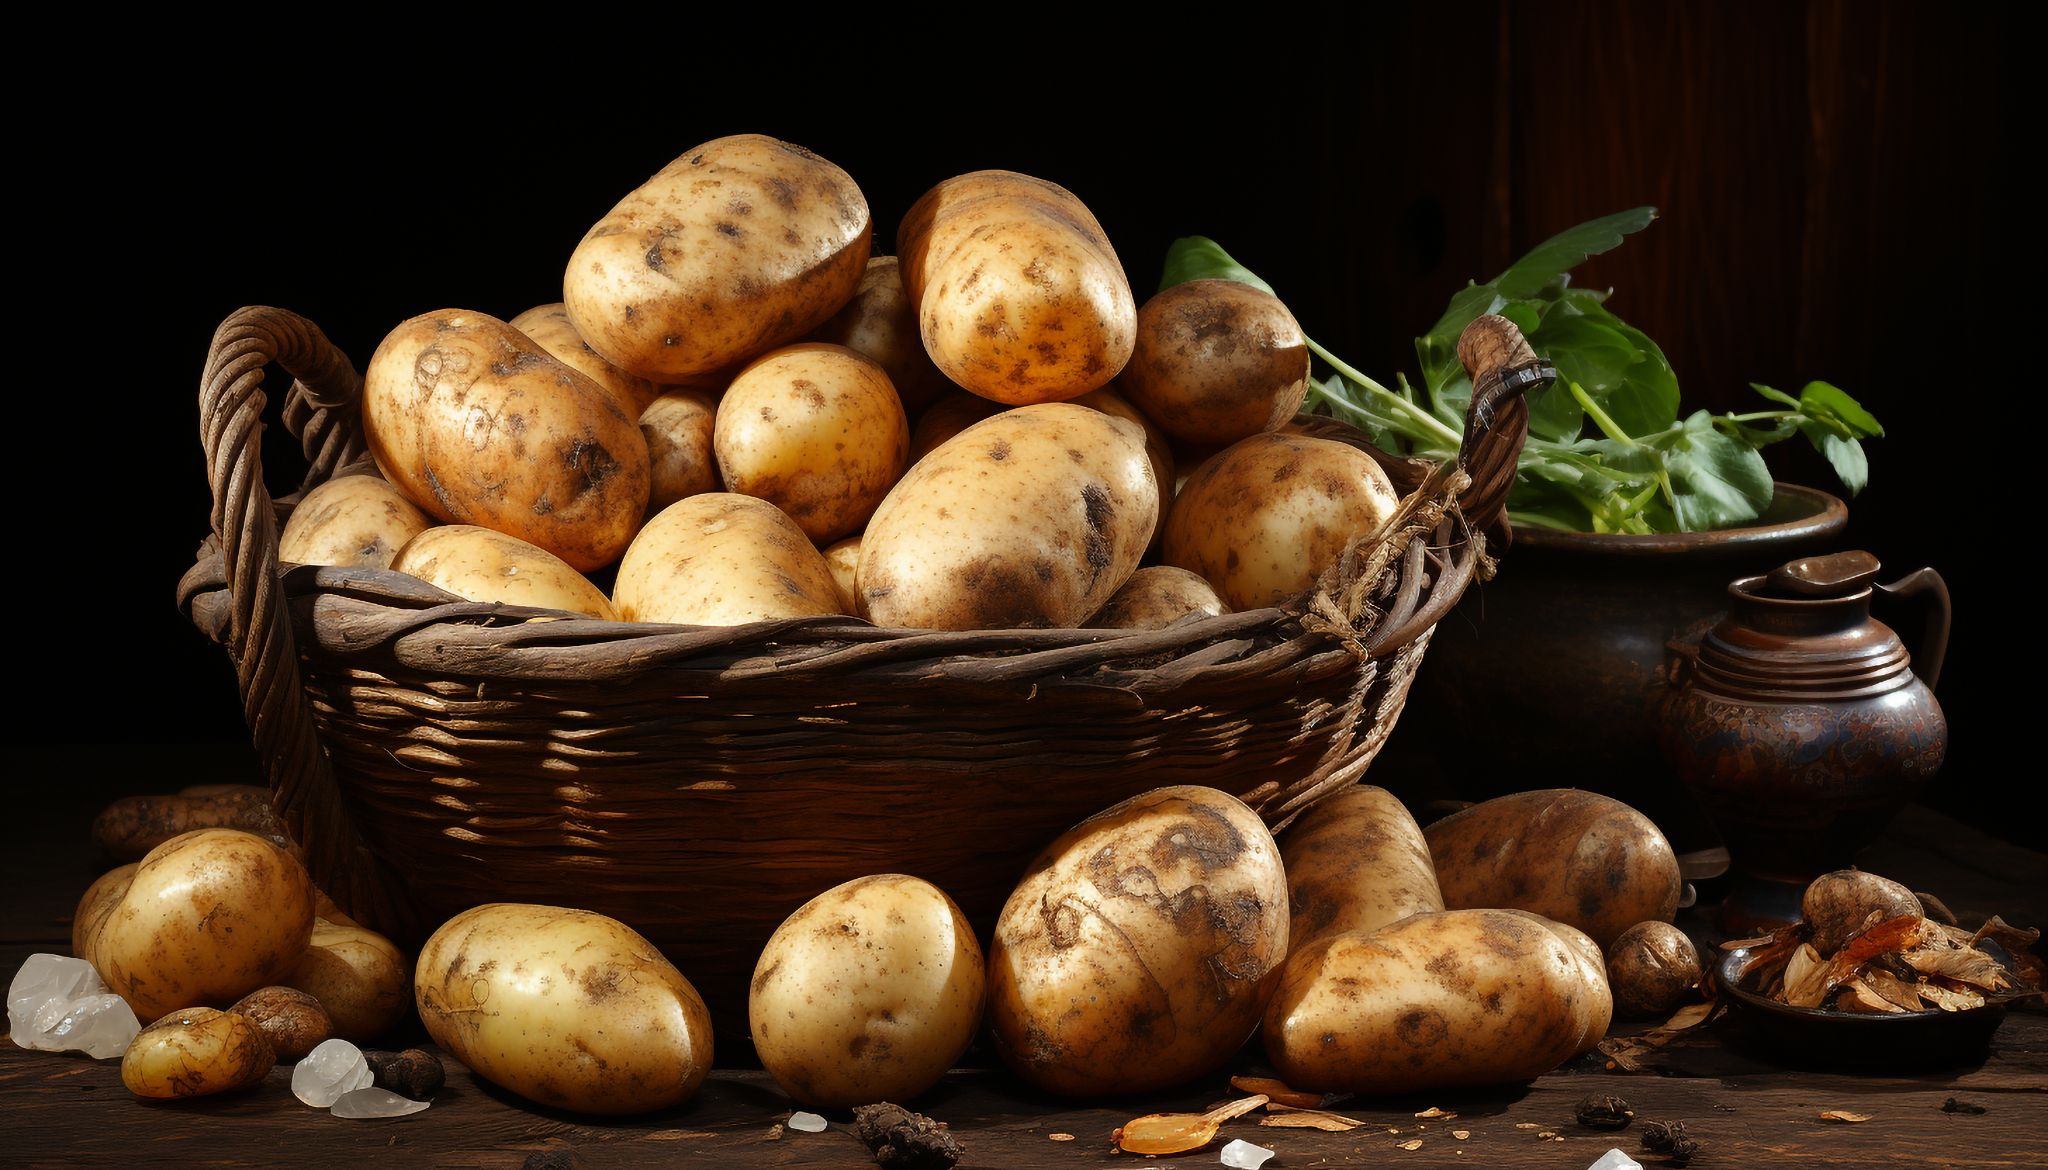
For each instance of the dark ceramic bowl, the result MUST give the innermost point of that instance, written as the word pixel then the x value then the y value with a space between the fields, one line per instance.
pixel 1850 1041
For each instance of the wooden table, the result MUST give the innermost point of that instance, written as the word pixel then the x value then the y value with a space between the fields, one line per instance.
pixel 70 1111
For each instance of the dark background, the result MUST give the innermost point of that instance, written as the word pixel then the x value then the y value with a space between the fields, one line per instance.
pixel 1836 193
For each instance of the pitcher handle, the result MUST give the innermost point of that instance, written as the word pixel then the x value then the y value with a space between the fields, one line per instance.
pixel 1934 640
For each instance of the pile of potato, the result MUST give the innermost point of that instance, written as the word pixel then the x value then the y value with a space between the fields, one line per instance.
pixel 722 407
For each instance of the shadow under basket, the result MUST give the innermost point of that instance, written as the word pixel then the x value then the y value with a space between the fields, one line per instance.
pixel 700 783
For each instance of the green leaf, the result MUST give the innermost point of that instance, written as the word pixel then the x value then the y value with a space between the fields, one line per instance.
pixel 1554 414
pixel 1617 365
pixel 1778 396
pixel 1845 455
pixel 1201 258
pixel 1821 400
pixel 1567 250
pixel 1716 481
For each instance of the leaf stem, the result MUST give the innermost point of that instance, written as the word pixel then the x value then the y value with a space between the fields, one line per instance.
pixel 1423 418
pixel 1600 419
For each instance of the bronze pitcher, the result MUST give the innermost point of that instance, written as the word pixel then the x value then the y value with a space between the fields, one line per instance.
pixel 1800 725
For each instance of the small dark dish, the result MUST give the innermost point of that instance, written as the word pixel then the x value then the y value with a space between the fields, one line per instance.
pixel 1850 1041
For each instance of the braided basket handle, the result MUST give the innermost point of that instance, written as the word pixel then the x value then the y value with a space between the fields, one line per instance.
pixel 321 409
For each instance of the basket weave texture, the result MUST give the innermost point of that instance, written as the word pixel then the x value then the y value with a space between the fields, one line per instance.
pixel 699 784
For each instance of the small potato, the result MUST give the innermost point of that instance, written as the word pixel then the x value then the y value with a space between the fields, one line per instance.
pixel 1653 968
pixel 1135 954
pixel 951 414
pixel 897 964
pixel 1156 597
pixel 566 1008
pixel 293 1022
pixel 358 520
pixel 132 826
pixel 1458 999
pixel 1157 449
pixel 1266 516
pixel 483 565
pixel 360 978
pixel 1020 297
pixel 1356 862
pixel 205 918
pixel 881 322
pixel 817 431
pixel 477 424
pixel 1033 518
pixel 551 329
pixel 738 246
pixel 1842 903
pixel 1217 361
pixel 196 1052
pixel 843 559
pixel 722 559
pixel 680 459
pixel 1586 860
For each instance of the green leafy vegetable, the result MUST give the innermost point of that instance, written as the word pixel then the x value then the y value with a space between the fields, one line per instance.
pixel 1643 469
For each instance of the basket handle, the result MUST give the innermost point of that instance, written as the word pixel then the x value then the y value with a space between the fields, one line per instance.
pixel 1503 369
pixel 321 408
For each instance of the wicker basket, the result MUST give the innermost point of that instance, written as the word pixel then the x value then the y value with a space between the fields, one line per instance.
pixel 700 783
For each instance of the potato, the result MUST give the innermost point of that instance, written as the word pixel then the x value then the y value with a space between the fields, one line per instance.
pixel 817 431
pixel 1595 1009
pixel 1109 402
pixel 843 559
pixel 1356 861
pixel 132 826
pixel 722 559
pixel 680 459
pixel 1840 904
pixel 357 520
pixel 950 415
pixel 360 978
pixel 206 918
pixel 1033 518
pixel 1653 968
pixel 551 329
pixel 196 1052
pixel 1217 361
pixel 1156 597
pixel 881 323
pixel 479 425
pixel 292 1021
pixel 483 565
pixel 1446 1000
pixel 869 992
pixel 566 1008
pixel 1579 858
pixel 740 245
pixel 1135 953
pixel 1264 517
pixel 1020 297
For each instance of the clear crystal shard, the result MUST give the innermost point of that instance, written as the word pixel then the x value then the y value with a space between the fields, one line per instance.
pixel 375 1103
pixel 59 1004
pixel 1242 1155
pixel 333 1068
pixel 1615 1160
pixel 806 1123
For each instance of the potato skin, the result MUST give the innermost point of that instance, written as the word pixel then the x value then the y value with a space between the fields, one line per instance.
pixel 357 520
pixel 1653 968
pixel 1156 597
pixel 1217 361
pixel 1586 860
pixel 132 826
pixel 722 559
pixel 880 322
pixel 817 431
pixel 360 977
pixel 479 425
pixel 565 1008
pixel 681 461
pixel 1261 519
pixel 1456 999
pixel 206 918
pixel 292 1021
pixel 1109 402
pixel 1356 862
pixel 740 245
pixel 843 559
pixel 1020 297
pixel 1136 952
pixel 1838 904
pixel 550 328
pixel 869 992
pixel 483 565
pixel 952 413
pixel 1033 518
pixel 196 1052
